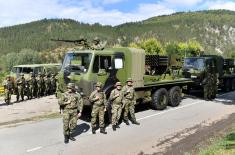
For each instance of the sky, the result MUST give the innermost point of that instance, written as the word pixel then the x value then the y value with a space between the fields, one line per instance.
pixel 105 12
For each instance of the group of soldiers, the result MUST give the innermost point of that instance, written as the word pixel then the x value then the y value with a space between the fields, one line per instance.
pixel 122 100
pixel 32 87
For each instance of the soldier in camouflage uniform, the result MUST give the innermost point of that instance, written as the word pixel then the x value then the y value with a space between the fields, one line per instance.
pixel 129 102
pixel 32 86
pixel 72 104
pixel 209 84
pixel 53 84
pixel 47 85
pixel 116 97
pixel 40 85
pixel 8 89
pixel 96 44
pixel 20 82
pixel 99 102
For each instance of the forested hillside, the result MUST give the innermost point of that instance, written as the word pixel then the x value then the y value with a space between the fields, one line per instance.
pixel 214 30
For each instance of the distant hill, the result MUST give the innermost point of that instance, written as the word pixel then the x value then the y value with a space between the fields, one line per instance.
pixel 215 30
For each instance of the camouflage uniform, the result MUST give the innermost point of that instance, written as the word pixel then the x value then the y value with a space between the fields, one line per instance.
pixel 116 97
pixel 96 45
pixel 33 86
pixel 20 82
pixel 98 99
pixel 8 89
pixel 47 85
pixel 72 104
pixel 53 84
pixel 129 102
pixel 209 85
pixel 40 85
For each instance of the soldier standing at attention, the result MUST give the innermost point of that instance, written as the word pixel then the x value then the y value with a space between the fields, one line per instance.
pixel 116 99
pixel 72 104
pixel 40 83
pixel 8 89
pixel 32 85
pixel 129 102
pixel 99 102
pixel 47 85
pixel 20 82
pixel 53 83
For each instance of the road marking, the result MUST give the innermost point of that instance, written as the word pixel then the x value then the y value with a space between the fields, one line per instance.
pixel 173 109
pixel 34 149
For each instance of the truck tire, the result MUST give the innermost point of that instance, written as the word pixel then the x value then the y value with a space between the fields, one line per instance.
pixel 160 99
pixel 175 96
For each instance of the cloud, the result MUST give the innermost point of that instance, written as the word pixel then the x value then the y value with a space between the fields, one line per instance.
pixel 22 11
pixel 111 1
pixel 182 3
pixel 229 5
pixel 93 11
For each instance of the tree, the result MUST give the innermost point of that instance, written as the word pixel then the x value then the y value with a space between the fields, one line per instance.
pixel 25 56
pixel 194 47
pixel 173 48
pixel 151 46
pixel 190 48
pixel 233 55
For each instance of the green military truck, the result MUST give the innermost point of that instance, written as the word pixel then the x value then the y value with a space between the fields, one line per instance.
pixel 35 68
pixel 221 73
pixel 157 79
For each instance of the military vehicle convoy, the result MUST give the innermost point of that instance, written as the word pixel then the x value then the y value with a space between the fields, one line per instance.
pixel 213 69
pixel 158 80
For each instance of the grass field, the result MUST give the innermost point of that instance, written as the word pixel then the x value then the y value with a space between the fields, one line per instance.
pixel 223 146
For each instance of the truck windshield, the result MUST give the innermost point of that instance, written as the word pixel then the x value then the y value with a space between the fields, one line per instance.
pixel 195 63
pixel 76 62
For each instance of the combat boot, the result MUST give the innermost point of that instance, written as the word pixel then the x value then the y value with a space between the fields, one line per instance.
pixel 114 127
pixel 135 122
pixel 66 139
pixel 93 131
pixel 102 130
pixel 117 126
pixel 126 121
pixel 72 138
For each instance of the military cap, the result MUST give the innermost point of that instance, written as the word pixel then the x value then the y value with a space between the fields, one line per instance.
pixel 21 74
pixel 8 76
pixel 129 80
pixel 118 84
pixel 71 86
pixel 98 84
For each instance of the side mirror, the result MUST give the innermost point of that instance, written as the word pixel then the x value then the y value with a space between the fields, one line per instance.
pixel 118 63
pixel 102 72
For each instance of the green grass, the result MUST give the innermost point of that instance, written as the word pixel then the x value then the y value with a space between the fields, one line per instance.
pixel 223 146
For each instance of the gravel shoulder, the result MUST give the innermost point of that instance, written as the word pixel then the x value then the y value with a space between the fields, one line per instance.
pixel 28 110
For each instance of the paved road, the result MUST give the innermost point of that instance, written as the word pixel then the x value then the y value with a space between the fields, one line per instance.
pixel 45 137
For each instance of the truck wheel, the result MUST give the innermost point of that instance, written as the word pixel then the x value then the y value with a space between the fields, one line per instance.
pixel 160 99
pixel 175 96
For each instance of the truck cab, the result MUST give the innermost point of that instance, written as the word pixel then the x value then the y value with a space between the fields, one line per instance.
pixel 86 67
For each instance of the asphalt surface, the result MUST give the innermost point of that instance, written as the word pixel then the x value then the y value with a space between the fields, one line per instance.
pixel 46 138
